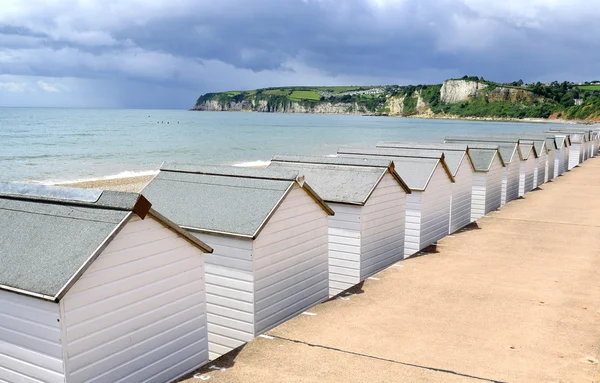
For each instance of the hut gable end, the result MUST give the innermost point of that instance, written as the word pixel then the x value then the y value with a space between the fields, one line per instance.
pixel 290 261
pixel 382 227
pixel 143 299
pixel 30 332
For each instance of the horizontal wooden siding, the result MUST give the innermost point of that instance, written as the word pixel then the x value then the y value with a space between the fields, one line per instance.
pixel 290 261
pixel 139 312
pixel 229 293
pixel 382 227
pixel 30 340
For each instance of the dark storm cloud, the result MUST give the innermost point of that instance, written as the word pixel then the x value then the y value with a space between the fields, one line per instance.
pixel 189 47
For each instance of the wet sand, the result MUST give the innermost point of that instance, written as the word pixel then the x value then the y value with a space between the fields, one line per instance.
pixel 127 184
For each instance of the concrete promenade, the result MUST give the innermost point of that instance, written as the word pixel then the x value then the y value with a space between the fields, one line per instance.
pixel 516 298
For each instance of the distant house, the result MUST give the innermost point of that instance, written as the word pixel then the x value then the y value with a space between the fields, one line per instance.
pixel 428 206
pixel 95 286
pixel 366 234
pixel 268 229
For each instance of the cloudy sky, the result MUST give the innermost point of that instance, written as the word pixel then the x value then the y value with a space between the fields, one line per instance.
pixel 165 53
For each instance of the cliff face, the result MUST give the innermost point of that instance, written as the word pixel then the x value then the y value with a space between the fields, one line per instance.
pixel 511 95
pixel 217 106
pixel 454 91
pixel 291 107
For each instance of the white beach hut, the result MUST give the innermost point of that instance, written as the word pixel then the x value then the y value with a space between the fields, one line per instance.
pixel 487 181
pixel 541 160
pixel 458 161
pixel 509 151
pixel 528 156
pixel 561 162
pixel 553 145
pixel 269 233
pixel 577 149
pixel 366 234
pixel 561 157
pixel 592 138
pixel 95 286
pixel 428 206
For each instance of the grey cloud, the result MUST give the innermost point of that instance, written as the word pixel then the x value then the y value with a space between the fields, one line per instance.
pixel 192 47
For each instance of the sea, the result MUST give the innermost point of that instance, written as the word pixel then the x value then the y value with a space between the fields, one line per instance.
pixel 51 145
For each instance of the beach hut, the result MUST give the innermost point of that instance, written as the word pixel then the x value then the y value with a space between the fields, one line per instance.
pixel 554 144
pixel 541 160
pixel 366 234
pixel 592 135
pixel 428 205
pixel 577 150
pixel 269 233
pixel 561 157
pixel 509 151
pixel 551 153
pixel 95 286
pixel 458 161
pixel 561 161
pixel 526 174
pixel 487 181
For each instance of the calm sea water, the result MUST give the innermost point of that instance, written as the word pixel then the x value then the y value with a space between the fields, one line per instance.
pixel 50 145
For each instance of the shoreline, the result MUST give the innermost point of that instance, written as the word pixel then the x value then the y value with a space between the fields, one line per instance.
pixel 429 117
pixel 133 184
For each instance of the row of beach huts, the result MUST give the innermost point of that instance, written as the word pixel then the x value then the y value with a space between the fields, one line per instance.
pixel 104 286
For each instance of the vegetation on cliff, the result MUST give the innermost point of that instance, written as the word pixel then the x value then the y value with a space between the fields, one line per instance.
pixel 469 96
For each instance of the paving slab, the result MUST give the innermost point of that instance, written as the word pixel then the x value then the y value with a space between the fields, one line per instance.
pixel 514 298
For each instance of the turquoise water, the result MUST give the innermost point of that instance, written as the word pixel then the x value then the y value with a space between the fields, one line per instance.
pixel 50 145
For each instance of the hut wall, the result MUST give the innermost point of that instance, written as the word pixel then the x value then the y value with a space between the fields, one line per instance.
pixel 460 210
pixel 551 163
pixel 540 170
pixel 558 162
pixel 344 247
pixel 510 181
pixel 138 313
pixel 382 227
pixel 493 192
pixel 526 175
pixel 435 217
pixel 412 238
pixel 291 272
pixel 575 155
pixel 229 292
pixel 565 158
pixel 30 340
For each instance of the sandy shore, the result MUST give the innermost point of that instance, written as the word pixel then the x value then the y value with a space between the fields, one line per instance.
pixel 130 184
pixel 127 184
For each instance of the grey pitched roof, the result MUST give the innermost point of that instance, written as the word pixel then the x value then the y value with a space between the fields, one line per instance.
pixel 454 153
pixel 50 234
pixel 539 145
pixel 422 145
pixel 483 156
pixel 561 138
pixel 551 139
pixel 416 171
pixel 506 147
pixel 576 136
pixel 222 199
pixel 340 179
pixel 527 150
